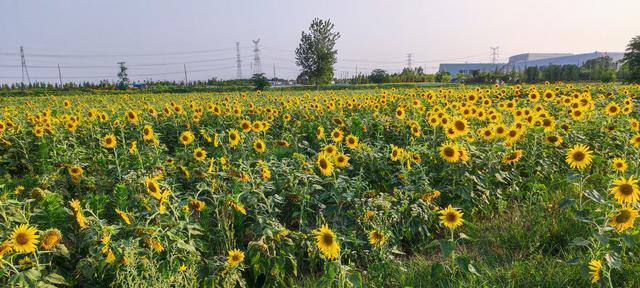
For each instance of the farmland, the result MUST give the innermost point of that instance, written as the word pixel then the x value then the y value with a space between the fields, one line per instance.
pixel 491 185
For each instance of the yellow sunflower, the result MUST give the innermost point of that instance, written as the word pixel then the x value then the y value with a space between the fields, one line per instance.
pixel 50 239
pixel 352 142
pixel 325 165
pixel 635 140
pixel 595 266
pixel 186 137
pixel 341 160
pixel 336 135
pixel 451 217
pixel 579 156
pixel 259 146
pixel 109 141
pixel 619 165
pixel 376 238
pixel 24 239
pixel 449 152
pixel 626 191
pixel 327 242
pixel 235 257
pixel 199 154
pixel 234 137
pixel 623 218
pixel 512 157
pixel 75 171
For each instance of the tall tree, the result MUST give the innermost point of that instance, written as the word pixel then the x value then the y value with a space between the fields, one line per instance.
pixel 632 59
pixel 315 54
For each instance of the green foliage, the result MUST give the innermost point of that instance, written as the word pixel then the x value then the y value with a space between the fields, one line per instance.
pixel 632 60
pixel 315 53
pixel 260 82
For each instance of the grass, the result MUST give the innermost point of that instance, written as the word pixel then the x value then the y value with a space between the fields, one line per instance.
pixel 517 247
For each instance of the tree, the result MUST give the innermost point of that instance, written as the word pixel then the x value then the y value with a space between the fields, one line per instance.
pixel 443 77
pixel 122 75
pixel 632 60
pixel 379 76
pixel 260 82
pixel 532 74
pixel 315 54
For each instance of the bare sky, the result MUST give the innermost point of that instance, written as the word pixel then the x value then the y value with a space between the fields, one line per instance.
pixel 155 37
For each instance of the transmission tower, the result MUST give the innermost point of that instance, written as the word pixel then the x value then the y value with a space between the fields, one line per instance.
pixel 24 66
pixel 409 55
pixel 494 54
pixel 257 68
pixel 238 62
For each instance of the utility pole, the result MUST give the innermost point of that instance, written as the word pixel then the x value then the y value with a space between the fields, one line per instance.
pixel 60 76
pixel 185 74
pixel 357 80
pixel 275 80
pixel 256 57
pixel 238 62
pixel 494 54
pixel 24 66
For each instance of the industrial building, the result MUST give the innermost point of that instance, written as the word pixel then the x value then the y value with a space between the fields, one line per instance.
pixel 522 61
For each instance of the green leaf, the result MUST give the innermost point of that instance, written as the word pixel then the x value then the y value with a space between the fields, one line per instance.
pixel 595 196
pixel 446 247
pixel 54 278
pixel 566 202
pixel 436 270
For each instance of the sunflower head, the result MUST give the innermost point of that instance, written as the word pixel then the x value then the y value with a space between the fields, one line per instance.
pixel 235 257
pixel 376 238
pixel 623 219
pixel 451 217
pixel 579 156
pixel 327 242
pixel 50 239
pixel 24 239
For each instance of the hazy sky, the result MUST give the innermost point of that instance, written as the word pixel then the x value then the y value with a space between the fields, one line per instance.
pixel 155 37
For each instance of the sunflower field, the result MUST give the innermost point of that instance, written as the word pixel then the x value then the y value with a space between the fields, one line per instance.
pixel 489 186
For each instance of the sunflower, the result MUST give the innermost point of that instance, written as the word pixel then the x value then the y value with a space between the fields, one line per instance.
pixel 320 133
pixel 579 156
pixel 109 141
pixel 75 171
pixel 619 165
pixel 5 247
pixel 635 140
pixel 50 239
pixel 38 131
pixel 147 133
pixel 626 191
pixel 24 239
pixel 199 154
pixel 595 266
pixel 460 126
pixel 132 117
pixel 512 157
pixel 376 238
pixel 325 165
pixel 352 142
pixel 451 217
pixel 449 152
pixel 124 216
pixel 235 257
pixel 612 109
pixel 234 138
pixel 400 113
pixel 327 242
pixel 336 135
pixel 186 137
pixel 330 149
pixel 259 146
pixel 245 125
pixel 553 139
pixel 341 160
pixel 623 218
